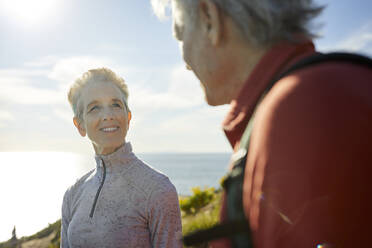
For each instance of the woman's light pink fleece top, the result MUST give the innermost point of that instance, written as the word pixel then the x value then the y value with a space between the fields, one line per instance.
pixel 137 206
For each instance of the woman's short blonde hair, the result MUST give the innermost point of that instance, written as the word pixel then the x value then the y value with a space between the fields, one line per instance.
pixel 103 75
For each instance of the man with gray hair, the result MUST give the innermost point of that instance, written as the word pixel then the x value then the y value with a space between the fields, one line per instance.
pixel 299 124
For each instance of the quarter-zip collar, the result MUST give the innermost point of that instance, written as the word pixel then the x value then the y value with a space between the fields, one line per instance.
pixel 116 162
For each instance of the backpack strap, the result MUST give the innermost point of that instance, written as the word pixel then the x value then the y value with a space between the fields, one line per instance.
pixel 330 57
pixel 237 227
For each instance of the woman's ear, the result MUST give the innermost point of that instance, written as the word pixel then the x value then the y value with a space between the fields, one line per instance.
pixel 129 117
pixel 79 126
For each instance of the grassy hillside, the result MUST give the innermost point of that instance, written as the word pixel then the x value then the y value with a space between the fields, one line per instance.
pixel 47 238
pixel 199 211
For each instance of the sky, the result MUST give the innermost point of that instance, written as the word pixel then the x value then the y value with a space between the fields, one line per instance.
pixel 45 45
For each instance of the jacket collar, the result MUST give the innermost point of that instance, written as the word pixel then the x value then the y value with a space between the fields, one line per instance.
pixel 119 160
pixel 276 60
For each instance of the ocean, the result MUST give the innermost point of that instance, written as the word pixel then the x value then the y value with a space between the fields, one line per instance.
pixel 189 170
pixel 33 183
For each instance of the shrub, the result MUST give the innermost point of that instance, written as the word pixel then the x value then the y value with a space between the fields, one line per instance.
pixel 203 218
pixel 197 200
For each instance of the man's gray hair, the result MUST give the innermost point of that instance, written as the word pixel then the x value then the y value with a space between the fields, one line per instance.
pixel 262 22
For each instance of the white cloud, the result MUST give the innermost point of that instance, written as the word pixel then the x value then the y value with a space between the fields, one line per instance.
pixel 205 119
pixel 145 98
pixel 160 8
pixel 42 62
pixel 5 118
pixel 193 131
pixel 19 90
pixel 66 70
pixel 64 114
pixel 22 73
pixel 186 85
pixel 359 41
pixel 183 92
pixel 23 85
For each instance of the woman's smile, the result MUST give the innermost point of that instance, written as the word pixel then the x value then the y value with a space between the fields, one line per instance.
pixel 109 129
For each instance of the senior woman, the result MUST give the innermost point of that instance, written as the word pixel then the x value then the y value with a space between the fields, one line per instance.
pixel 123 202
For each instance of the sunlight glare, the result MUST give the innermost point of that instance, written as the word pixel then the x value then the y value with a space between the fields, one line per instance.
pixel 28 12
pixel 32 188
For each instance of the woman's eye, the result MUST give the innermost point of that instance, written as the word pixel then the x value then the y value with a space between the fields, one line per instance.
pixel 92 109
pixel 116 105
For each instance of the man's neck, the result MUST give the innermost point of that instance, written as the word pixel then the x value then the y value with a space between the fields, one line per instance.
pixel 242 59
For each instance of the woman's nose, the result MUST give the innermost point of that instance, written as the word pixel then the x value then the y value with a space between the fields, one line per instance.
pixel 107 115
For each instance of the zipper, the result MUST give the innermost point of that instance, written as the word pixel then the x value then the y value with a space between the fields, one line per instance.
pixel 99 190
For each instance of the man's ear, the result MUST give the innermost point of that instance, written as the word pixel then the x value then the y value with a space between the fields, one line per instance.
pixel 79 126
pixel 211 20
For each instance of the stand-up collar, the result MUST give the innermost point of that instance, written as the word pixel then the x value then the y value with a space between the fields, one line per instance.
pixel 117 161
pixel 275 61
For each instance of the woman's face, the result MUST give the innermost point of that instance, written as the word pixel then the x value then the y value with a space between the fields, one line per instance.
pixel 104 116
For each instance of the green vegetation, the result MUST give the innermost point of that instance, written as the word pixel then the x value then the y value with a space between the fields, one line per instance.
pixel 53 229
pixel 197 200
pixel 199 211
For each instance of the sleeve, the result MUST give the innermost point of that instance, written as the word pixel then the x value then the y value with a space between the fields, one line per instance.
pixel 165 218
pixel 66 218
